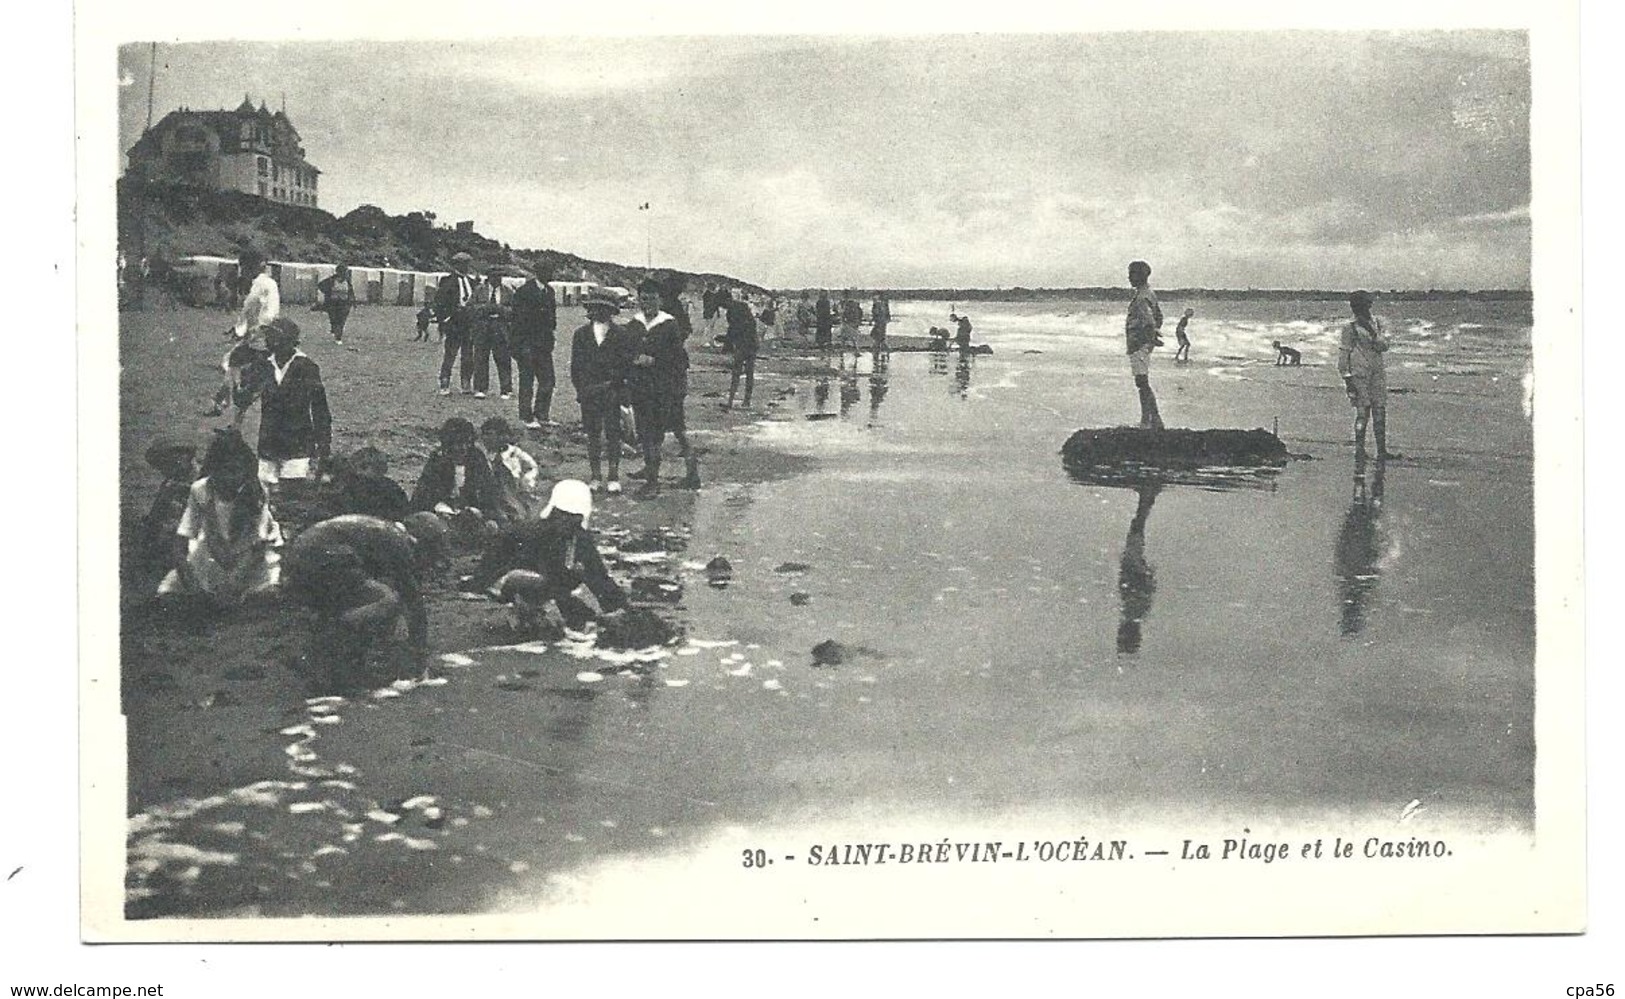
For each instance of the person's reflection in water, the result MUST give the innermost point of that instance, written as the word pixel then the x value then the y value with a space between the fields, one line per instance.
pixel 962 370
pixel 939 362
pixel 1360 549
pixel 1136 583
pixel 849 391
pixel 877 390
pixel 821 393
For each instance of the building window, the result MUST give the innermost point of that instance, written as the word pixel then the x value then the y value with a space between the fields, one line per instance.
pixel 264 165
pixel 262 188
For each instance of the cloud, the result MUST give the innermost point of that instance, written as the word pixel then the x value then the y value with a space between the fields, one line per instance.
pixel 1280 158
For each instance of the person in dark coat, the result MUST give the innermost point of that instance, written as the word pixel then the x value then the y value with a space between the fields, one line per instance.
pixel 295 425
pixel 823 322
pixel 358 574
pixel 337 299
pixel 536 562
pixel 743 345
pixel 453 297
pixel 880 316
pixel 710 305
pixel 535 325
pixel 492 311
pixel 599 357
pixel 657 380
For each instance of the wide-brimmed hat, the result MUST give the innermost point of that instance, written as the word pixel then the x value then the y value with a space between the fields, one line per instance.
pixel 285 326
pixel 598 296
pixel 171 454
pixel 570 496
pixel 461 257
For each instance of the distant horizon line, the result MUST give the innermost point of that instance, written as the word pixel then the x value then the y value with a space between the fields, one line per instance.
pixel 1193 290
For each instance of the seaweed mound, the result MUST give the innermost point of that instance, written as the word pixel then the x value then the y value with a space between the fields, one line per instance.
pixel 1125 447
pixel 636 629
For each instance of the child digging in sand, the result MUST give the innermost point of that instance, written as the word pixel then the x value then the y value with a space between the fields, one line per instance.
pixel 540 562
pixel 358 574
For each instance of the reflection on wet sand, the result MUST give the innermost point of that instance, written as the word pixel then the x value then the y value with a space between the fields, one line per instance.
pixel 821 394
pixel 962 372
pixel 849 391
pixel 877 389
pixel 1136 582
pixel 1360 548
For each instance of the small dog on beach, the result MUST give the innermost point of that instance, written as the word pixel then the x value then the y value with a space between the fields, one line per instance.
pixel 1286 356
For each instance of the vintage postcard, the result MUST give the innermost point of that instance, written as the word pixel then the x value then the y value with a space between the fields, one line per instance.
pixel 869 479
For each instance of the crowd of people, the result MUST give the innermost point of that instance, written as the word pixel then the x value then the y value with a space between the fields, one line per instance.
pixel 213 531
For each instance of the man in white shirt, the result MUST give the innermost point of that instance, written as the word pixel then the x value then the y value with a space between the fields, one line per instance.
pixel 262 304
pixel 453 301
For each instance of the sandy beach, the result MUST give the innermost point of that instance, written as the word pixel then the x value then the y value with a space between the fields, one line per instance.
pixel 1267 645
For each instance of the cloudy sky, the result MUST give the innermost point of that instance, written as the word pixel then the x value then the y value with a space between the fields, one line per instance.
pixel 1267 159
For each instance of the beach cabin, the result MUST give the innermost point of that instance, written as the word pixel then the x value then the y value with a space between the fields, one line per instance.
pixel 368 284
pixel 296 282
pixel 570 292
pixel 389 285
pixel 405 285
pixel 204 280
pixel 430 282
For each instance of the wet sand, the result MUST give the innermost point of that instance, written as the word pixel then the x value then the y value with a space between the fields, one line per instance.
pixel 1018 641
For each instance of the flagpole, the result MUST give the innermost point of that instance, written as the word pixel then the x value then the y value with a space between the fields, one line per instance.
pixel 648 235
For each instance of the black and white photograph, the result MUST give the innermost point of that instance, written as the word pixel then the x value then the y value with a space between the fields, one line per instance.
pixel 656 482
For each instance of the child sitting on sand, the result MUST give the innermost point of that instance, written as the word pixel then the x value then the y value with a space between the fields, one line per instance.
pixel 176 461
pixel 230 536
pixel 456 480
pixel 513 472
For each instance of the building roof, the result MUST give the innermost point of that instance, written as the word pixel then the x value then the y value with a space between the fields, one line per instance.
pixel 225 124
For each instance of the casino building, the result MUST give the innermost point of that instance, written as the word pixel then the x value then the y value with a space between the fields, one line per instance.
pixel 249 149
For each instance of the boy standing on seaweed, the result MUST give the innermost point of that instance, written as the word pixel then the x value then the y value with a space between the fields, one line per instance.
pixel 1140 329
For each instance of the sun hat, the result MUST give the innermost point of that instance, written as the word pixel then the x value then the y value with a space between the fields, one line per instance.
pixel 570 496
pixel 599 296
pixel 170 454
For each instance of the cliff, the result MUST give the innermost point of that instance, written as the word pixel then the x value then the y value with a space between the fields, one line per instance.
pixel 175 221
